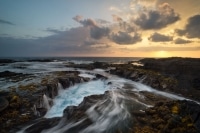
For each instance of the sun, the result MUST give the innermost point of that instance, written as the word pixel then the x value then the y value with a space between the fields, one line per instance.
pixel 162 54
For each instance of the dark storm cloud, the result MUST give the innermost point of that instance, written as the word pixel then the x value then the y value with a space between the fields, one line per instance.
pixel 6 22
pixel 157 19
pixel 157 37
pixel 181 41
pixel 125 38
pixel 192 28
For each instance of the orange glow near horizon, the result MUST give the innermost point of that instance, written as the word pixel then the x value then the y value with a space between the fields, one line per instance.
pixel 162 54
pixel 157 54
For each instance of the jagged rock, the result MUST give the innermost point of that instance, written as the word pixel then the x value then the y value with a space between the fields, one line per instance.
pixel 65 82
pixel 185 70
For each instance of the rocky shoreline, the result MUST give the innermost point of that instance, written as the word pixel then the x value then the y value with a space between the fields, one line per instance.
pixel 24 105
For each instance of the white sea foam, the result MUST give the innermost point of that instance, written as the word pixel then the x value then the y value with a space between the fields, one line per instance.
pixel 74 95
pixel 85 75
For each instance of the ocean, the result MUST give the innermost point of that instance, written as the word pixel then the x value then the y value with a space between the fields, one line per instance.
pixel 40 66
pixel 76 59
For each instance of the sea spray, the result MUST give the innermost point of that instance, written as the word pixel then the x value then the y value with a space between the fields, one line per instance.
pixel 74 95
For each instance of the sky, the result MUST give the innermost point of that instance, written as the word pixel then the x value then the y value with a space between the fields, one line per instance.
pixel 100 28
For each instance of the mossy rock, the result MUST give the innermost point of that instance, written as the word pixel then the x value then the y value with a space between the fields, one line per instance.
pixel 170 117
pixel 30 87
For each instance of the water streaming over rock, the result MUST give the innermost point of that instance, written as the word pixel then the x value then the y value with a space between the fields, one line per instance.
pixel 107 111
pixel 46 102
pixel 60 87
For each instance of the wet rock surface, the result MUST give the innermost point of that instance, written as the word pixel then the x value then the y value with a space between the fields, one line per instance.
pixel 71 115
pixel 158 73
pixel 166 116
pixel 24 105
pixel 25 102
pixel 8 76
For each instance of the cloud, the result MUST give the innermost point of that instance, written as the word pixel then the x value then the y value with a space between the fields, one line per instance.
pixel 71 42
pixel 85 22
pixel 102 21
pixel 157 19
pixel 157 37
pixel 161 48
pixel 78 18
pixel 99 32
pixel 116 18
pixel 125 38
pixel 181 41
pixel 52 30
pixel 96 32
pixel 6 22
pixel 113 8
pixel 68 42
pixel 192 28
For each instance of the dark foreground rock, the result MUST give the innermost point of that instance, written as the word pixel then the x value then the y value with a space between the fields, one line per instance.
pixel 25 103
pixel 164 117
pixel 3 103
pixel 5 61
pixel 14 77
pixel 169 117
pixel 185 70
pixel 176 75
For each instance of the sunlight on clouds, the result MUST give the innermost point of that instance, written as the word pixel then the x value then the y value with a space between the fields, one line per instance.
pixel 113 8
pixel 141 28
